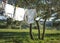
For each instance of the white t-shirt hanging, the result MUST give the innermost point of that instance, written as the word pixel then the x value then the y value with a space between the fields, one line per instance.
pixel 19 14
pixel 30 15
pixel 9 10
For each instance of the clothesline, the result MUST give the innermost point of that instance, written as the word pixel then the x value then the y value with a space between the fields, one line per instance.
pixel 20 13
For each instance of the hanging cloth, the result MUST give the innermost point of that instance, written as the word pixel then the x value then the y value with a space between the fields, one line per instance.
pixel 9 10
pixel 19 14
pixel 30 15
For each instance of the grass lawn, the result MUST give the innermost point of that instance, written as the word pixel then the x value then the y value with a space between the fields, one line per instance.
pixel 22 36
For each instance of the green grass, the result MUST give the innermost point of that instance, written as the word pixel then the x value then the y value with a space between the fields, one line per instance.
pixel 22 36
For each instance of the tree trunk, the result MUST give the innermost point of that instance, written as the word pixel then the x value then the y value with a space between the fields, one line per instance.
pixel 15 8
pixel 31 35
pixel 38 29
pixel 43 30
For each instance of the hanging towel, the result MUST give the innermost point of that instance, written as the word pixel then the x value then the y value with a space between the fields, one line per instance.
pixel 30 14
pixel 19 14
pixel 9 10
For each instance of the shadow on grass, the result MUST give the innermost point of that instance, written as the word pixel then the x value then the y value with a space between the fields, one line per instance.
pixel 50 36
pixel 23 37
pixel 14 36
pixel 54 35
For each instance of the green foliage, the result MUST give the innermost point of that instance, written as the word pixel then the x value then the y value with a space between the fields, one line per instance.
pixel 3 24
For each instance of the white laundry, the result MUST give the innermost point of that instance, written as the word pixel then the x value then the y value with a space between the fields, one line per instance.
pixel 9 10
pixel 30 15
pixel 37 18
pixel 19 14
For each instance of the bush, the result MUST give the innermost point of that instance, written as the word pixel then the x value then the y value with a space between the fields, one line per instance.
pixel 3 26
pixel 15 27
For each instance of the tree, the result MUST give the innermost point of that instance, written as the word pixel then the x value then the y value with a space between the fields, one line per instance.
pixel 44 5
pixel 55 4
pixel 38 6
pixel 46 14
